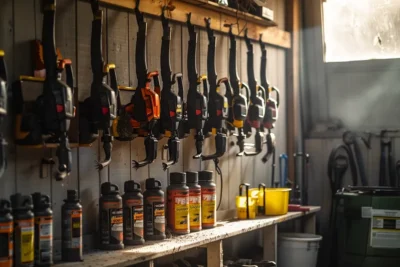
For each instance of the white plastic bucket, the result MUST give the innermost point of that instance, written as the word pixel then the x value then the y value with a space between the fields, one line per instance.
pixel 297 249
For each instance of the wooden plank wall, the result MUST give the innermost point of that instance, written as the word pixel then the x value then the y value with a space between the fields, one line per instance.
pixel 20 23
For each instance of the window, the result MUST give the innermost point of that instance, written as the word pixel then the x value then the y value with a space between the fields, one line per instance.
pixel 361 29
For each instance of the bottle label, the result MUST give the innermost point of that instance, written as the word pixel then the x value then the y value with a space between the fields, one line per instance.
pixel 111 223
pixel 72 229
pixel 178 210
pixel 154 216
pixel 208 207
pixel 159 217
pixel 44 242
pixel 195 211
pixel 26 230
pixel 133 219
pixel 6 243
pixel 182 213
pixel 76 229
pixel 116 226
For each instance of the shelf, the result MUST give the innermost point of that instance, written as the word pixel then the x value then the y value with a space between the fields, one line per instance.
pixel 219 15
pixel 157 249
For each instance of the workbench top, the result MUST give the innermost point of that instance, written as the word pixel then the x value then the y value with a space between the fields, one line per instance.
pixel 156 249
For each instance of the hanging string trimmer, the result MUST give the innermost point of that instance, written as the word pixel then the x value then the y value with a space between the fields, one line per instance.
pixel 257 106
pixel 99 110
pixel 236 100
pixel 56 103
pixel 196 102
pixel 171 103
pixel 217 103
pixel 145 108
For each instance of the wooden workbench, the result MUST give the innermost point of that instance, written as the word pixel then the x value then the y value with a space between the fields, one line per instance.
pixel 211 239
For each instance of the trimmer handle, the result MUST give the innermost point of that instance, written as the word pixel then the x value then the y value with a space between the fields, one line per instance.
pixel 64 158
pixel 220 145
pixel 276 90
pixel 151 152
pixel 257 144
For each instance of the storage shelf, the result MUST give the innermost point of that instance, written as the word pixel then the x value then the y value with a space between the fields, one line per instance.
pixel 219 15
pixel 156 249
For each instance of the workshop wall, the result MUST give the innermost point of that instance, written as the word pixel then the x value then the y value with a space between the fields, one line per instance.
pixel 21 22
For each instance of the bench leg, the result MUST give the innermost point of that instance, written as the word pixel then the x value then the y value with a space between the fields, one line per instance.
pixel 270 236
pixel 309 223
pixel 215 254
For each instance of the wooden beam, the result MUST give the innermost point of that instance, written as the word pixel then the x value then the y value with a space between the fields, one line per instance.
pixel 219 16
pixel 310 223
pixel 293 80
pixel 270 242
pixel 215 254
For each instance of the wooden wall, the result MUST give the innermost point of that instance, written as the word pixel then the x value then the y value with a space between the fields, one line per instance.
pixel 21 22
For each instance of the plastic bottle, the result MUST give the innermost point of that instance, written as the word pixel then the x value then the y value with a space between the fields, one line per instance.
pixel 208 199
pixel 133 214
pixel 178 204
pixel 111 219
pixel 24 235
pixel 43 229
pixel 192 180
pixel 6 234
pixel 71 228
pixel 154 211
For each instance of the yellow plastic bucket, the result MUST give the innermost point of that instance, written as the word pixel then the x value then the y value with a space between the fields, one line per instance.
pixel 277 200
pixel 241 209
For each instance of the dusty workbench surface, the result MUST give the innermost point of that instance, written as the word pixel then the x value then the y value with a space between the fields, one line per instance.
pixel 156 249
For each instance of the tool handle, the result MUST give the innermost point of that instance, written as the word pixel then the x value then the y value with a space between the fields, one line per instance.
pixel 263 67
pixel 247 92
pixel 96 47
pixel 165 53
pixel 211 72
pixel 48 41
pixel 233 74
pixel 276 90
pixel 66 64
pixel 3 68
pixel 191 56
pixel 263 186
pixel 151 152
pixel 114 83
pixel 64 158
pixel 199 137
pixel 250 67
pixel 247 197
pixel 257 144
pixel 107 140
pixel 220 147
pixel 173 152
pixel 140 53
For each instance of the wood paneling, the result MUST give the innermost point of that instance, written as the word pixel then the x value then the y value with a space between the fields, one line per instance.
pixel 21 23
pixel 271 35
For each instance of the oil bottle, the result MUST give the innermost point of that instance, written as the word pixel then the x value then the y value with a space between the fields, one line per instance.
pixel 24 249
pixel 208 199
pixel 133 214
pixel 154 210
pixel 192 180
pixel 6 234
pixel 71 228
pixel 111 221
pixel 43 229
pixel 178 204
